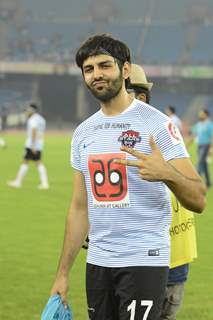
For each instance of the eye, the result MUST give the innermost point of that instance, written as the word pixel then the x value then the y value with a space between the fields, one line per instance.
pixel 88 70
pixel 106 66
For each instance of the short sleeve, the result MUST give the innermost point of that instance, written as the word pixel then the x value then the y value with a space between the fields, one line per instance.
pixel 170 142
pixel 74 154
pixel 34 123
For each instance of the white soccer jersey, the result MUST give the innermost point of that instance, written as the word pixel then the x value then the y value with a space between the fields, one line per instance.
pixel 129 217
pixel 36 121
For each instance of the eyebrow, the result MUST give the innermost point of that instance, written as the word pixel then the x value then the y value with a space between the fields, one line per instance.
pixel 100 63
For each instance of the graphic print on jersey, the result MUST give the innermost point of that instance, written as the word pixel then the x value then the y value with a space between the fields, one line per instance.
pixel 108 180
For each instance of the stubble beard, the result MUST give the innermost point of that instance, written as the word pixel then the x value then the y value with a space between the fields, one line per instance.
pixel 110 92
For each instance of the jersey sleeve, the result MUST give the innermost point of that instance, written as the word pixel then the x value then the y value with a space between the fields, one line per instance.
pixel 34 123
pixel 75 154
pixel 170 142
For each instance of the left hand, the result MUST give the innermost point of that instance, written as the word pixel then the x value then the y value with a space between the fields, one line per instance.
pixel 61 286
pixel 151 167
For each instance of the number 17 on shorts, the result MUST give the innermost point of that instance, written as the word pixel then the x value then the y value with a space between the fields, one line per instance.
pixel 144 303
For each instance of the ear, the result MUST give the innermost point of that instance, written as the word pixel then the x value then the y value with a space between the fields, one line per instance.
pixel 142 97
pixel 126 70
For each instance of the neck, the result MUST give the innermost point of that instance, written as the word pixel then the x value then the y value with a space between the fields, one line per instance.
pixel 118 104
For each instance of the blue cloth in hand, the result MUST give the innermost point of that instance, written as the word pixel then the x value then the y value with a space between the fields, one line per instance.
pixel 55 310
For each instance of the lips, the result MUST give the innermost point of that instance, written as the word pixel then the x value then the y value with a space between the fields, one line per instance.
pixel 99 83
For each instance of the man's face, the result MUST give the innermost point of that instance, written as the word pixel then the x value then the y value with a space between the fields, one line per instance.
pixel 202 116
pixel 103 77
pixel 29 112
pixel 168 112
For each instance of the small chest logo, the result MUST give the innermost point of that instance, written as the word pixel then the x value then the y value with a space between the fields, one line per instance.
pixel 129 138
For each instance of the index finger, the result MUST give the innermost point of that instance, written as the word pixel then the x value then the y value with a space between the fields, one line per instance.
pixel 130 163
pixel 135 153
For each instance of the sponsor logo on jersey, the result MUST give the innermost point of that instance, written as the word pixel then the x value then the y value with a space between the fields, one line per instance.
pixel 129 138
pixel 109 181
pixel 85 145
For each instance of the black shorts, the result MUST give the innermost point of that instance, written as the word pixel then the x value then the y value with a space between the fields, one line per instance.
pixel 128 293
pixel 29 155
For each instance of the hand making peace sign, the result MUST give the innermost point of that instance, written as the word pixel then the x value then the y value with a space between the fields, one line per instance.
pixel 151 167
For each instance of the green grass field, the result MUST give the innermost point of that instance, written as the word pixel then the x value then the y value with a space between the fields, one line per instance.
pixel 31 235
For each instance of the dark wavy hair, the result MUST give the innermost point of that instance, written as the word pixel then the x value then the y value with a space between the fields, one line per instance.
pixel 34 106
pixel 103 44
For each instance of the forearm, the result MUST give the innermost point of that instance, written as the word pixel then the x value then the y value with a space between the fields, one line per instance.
pixel 75 234
pixel 190 192
pixel 33 137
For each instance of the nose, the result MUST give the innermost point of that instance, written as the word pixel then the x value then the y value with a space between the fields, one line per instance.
pixel 97 73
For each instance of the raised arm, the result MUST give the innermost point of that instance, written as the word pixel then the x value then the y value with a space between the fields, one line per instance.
pixel 179 175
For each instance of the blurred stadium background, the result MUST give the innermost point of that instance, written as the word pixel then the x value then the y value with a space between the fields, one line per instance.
pixel 172 39
pixel 38 39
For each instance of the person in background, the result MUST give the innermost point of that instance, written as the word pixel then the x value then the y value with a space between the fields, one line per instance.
pixel 202 131
pixel 171 113
pixel 36 125
pixel 183 244
pixel 4 115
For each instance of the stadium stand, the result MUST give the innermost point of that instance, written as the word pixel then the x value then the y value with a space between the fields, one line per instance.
pixel 161 99
pixel 155 33
pixel 203 49
pixel 161 33
pixel 160 44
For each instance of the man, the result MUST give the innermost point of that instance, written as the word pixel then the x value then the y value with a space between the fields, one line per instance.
pixel 171 113
pixel 33 148
pixel 123 202
pixel 203 131
pixel 183 245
